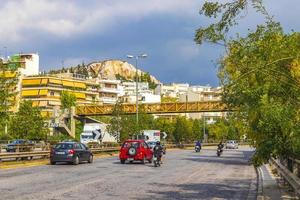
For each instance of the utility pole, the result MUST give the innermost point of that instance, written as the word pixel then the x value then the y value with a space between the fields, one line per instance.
pixel 204 133
pixel 136 83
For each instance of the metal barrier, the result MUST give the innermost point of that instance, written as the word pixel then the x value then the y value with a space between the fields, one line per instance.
pixel 289 170
pixel 45 154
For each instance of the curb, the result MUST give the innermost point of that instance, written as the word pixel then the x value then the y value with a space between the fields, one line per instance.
pixel 259 184
pixel 253 190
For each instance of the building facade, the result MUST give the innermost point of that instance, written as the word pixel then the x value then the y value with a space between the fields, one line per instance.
pixel 145 95
pixel 203 93
pixel 173 90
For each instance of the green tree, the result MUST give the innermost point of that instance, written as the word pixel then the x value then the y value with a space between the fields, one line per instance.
pixel 28 123
pixel 260 75
pixel 8 83
pixel 197 130
pixel 165 125
pixel 115 125
pixel 183 130
pixel 67 99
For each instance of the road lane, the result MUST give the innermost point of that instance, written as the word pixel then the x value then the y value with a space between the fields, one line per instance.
pixel 183 175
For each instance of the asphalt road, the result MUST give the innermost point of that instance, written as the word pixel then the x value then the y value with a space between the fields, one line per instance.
pixel 183 175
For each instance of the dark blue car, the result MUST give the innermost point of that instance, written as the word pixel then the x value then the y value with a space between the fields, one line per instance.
pixel 71 152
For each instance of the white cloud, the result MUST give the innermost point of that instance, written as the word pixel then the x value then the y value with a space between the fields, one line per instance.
pixel 63 18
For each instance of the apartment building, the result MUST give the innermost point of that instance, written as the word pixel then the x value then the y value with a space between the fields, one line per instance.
pixel 109 91
pixel 145 95
pixel 45 91
pixel 172 90
pixel 203 93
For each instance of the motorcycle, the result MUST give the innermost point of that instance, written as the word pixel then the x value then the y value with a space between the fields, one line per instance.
pixel 156 161
pixel 219 152
pixel 197 148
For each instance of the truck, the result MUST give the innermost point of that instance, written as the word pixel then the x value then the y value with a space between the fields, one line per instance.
pixel 96 133
pixel 150 135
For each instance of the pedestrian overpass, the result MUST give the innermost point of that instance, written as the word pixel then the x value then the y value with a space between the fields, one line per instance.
pixel 154 108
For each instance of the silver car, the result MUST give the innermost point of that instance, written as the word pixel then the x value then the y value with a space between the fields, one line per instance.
pixel 232 144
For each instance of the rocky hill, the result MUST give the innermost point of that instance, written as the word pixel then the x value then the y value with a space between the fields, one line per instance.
pixel 112 69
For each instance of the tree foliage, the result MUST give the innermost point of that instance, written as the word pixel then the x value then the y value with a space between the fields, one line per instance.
pixel 28 123
pixel 229 128
pixel 227 14
pixel 67 99
pixel 180 130
pixel 8 85
pixel 183 130
pixel 260 75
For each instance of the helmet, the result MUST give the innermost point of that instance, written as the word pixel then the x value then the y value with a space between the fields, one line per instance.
pixel 157 142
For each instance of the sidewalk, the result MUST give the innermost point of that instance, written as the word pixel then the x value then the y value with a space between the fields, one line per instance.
pixel 268 186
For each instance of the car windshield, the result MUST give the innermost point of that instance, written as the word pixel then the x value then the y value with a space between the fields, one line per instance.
pixel 17 142
pixel 64 146
pixel 129 144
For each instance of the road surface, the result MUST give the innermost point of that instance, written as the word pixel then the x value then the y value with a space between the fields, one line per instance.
pixel 183 175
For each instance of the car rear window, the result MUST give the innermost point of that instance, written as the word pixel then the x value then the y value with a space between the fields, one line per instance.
pixel 64 146
pixel 129 144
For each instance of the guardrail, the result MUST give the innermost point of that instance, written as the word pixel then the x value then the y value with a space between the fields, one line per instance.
pixel 289 170
pixel 45 154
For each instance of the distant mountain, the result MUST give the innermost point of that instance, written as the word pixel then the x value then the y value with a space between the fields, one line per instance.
pixel 114 69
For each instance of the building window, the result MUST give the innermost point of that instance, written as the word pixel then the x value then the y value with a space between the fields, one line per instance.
pixel 51 93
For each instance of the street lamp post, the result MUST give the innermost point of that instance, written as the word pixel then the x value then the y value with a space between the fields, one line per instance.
pixel 204 132
pixel 136 82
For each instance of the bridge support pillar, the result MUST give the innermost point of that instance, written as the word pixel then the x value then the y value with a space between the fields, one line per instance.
pixel 72 120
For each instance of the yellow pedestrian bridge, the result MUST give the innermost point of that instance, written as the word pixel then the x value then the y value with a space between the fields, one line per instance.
pixel 155 108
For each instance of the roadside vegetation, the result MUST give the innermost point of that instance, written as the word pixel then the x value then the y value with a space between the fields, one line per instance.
pixel 179 129
pixel 260 74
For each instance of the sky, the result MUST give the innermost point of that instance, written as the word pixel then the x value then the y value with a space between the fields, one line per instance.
pixel 66 33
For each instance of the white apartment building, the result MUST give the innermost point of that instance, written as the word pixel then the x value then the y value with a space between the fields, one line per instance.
pixel 203 93
pixel 31 64
pixel 145 95
pixel 109 91
pixel 129 88
pixel 173 90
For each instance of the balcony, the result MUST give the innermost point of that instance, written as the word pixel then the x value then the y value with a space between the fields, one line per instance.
pixel 109 90
pixel 109 100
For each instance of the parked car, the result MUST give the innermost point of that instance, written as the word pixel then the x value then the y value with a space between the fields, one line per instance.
pixel 20 145
pixel 135 150
pixel 71 152
pixel 232 144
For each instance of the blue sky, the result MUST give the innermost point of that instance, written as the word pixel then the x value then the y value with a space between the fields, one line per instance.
pixel 84 31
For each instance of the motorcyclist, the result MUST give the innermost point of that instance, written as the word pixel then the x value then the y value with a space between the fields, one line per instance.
pixel 221 146
pixel 198 144
pixel 158 151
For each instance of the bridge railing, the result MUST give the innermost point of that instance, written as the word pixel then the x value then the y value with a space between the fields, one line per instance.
pixel 155 108
pixel 289 170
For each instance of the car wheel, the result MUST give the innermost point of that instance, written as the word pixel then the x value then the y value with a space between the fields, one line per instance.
pixel 52 163
pixel 122 161
pixel 150 160
pixel 90 159
pixel 76 161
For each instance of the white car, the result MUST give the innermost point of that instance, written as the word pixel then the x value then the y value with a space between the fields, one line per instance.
pixel 232 144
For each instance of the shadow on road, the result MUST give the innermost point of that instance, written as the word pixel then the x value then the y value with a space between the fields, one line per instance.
pixel 243 159
pixel 226 190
